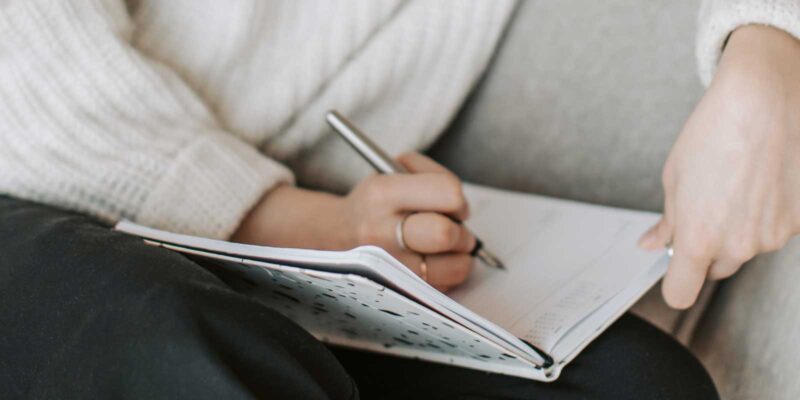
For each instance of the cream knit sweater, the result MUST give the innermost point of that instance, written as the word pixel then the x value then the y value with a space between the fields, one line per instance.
pixel 177 114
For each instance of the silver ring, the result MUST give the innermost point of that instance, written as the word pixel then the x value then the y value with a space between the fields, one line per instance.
pixel 398 232
pixel 668 247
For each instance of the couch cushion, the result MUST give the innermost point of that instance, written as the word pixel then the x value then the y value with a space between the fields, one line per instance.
pixel 583 101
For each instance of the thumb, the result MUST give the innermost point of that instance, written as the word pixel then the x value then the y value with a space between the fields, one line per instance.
pixel 657 236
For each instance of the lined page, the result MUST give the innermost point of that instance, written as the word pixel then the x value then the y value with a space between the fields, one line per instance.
pixel 565 260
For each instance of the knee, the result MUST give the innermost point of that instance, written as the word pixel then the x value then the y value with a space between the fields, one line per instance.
pixel 643 362
pixel 206 331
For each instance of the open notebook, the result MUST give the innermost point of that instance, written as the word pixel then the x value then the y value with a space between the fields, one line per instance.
pixel 573 269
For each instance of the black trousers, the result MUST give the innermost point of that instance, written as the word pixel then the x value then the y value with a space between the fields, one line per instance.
pixel 86 313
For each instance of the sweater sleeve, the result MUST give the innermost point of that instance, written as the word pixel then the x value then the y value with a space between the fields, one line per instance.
pixel 90 124
pixel 718 18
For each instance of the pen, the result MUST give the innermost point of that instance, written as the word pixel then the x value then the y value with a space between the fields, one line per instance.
pixel 386 165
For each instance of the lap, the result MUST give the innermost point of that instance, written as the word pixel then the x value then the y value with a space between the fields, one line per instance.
pixel 92 313
pixel 632 360
pixel 88 312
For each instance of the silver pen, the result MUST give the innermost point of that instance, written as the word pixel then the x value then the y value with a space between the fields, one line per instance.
pixel 386 165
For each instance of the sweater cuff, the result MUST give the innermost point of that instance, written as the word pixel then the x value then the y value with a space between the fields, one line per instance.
pixel 210 187
pixel 719 18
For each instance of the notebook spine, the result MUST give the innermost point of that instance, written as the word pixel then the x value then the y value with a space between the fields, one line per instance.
pixel 548 360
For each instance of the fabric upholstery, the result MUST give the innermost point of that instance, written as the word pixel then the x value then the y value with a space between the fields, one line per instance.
pixel 583 101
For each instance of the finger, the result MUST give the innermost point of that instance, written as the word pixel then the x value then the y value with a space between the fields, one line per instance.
pixel 466 241
pixel 723 268
pixel 412 261
pixel 448 270
pixel 416 163
pixel 659 234
pixel 434 233
pixel 684 278
pixel 422 192
pixel 656 237
pixel 419 163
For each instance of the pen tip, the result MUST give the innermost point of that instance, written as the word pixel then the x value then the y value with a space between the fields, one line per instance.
pixel 490 259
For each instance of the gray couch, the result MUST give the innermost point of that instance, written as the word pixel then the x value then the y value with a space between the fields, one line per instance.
pixel 583 101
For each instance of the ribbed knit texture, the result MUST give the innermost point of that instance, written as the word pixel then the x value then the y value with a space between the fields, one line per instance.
pixel 719 18
pixel 271 69
pixel 155 112
pixel 171 113
pixel 88 123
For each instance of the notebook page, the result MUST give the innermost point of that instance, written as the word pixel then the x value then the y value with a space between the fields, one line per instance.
pixel 587 330
pixel 565 260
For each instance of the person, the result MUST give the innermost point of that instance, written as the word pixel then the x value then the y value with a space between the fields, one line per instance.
pixel 178 115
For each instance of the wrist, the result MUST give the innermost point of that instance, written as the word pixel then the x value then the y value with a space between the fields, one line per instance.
pixel 288 216
pixel 758 78
pixel 762 56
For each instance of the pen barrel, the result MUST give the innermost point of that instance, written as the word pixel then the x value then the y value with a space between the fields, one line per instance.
pixel 363 145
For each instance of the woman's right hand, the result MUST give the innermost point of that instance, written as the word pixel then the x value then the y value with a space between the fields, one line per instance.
pixel 430 198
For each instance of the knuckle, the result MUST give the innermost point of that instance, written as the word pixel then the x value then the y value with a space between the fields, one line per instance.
pixel 740 250
pixel 366 234
pixel 699 244
pixel 455 192
pixel 375 190
pixel 723 268
pixel 371 180
pixel 714 274
pixel 698 249
pixel 771 244
pixel 718 273
pixel 697 256
pixel 775 240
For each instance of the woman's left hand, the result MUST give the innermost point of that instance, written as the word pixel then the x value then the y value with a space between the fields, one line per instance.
pixel 732 180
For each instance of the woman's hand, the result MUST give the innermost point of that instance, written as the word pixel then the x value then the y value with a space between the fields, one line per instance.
pixel 434 197
pixel 370 213
pixel 732 180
